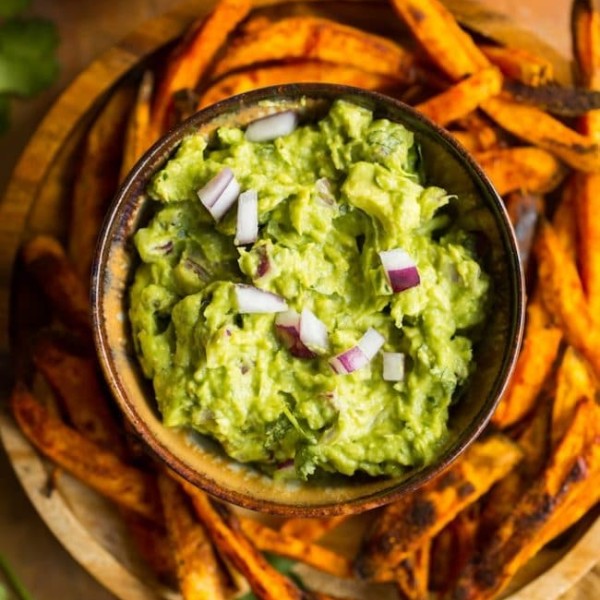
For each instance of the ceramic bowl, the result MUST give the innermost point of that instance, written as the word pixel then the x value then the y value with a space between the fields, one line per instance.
pixel 203 463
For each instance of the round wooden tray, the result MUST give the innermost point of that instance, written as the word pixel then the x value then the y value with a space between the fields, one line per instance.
pixel 37 201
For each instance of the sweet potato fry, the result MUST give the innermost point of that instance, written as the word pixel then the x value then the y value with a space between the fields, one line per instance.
pixel 585 24
pixel 478 135
pixel 310 530
pixel 46 259
pixel 535 362
pixel 404 525
pixel 564 219
pixel 194 56
pixel 227 535
pixel 305 71
pixel 574 381
pixel 138 136
pixel 313 38
pixel 520 64
pixel 72 374
pixel 448 46
pixel 97 178
pixel 198 572
pixel 587 207
pixel 95 466
pixel 564 298
pixel 574 461
pixel 412 575
pixel 528 169
pixel 534 440
pixel 524 211
pixel 269 540
pixel 463 98
pixel 73 377
pixel 580 152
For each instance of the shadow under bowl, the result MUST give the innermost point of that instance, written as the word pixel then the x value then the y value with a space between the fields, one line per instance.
pixel 202 462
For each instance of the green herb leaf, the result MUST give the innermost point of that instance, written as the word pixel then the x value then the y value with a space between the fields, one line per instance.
pixel 27 61
pixel 13 581
pixel 3 593
pixel 9 8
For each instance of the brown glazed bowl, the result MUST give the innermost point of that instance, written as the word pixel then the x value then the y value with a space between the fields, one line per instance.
pixel 202 462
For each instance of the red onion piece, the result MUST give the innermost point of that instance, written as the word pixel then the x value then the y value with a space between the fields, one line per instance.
pixel 313 332
pixel 324 192
pixel 252 300
pixel 247 218
pixel 287 325
pixel 400 269
pixel 212 191
pixel 393 366
pixel 272 127
pixel 219 194
pixel 360 355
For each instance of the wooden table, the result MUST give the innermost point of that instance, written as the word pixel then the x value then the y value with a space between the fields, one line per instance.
pixel 87 28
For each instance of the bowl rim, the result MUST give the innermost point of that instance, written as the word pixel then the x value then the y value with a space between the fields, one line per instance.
pixel 159 153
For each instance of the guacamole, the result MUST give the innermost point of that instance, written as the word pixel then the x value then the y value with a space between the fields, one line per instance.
pixel 335 198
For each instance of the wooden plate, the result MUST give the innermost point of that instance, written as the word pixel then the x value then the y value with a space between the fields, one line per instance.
pixel 37 201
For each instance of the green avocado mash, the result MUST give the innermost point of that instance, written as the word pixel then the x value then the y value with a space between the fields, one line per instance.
pixel 331 196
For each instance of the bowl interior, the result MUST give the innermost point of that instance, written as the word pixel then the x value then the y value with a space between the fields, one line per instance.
pixel 201 461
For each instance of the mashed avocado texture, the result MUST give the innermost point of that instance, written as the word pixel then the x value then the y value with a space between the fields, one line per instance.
pixel 331 196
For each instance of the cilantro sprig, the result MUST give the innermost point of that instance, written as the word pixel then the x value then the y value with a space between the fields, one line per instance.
pixel 13 581
pixel 28 62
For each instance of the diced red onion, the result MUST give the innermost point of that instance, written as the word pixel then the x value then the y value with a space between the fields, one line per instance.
pixel 287 325
pixel 219 194
pixel 247 218
pixel 252 300
pixel 360 355
pixel 272 127
pixel 400 269
pixel 393 366
pixel 313 332
pixel 324 193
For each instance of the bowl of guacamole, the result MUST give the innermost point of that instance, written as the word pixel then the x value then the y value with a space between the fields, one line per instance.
pixel 307 299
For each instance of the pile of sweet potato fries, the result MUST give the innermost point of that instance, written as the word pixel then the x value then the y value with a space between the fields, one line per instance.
pixel 533 474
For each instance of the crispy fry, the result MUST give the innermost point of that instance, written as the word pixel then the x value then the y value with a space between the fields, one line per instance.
pixel 534 440
pixel 193 58
pixel 539 351
pixel 580 152
pixel 448 46
pixel 564 219
pixel 527 168
pixel 226 534
pixel 524 211
pixel 563 296
pixel 320 39
pixel 585 24
pixel 97 467
pixel 412 575
pixel 464 97
pixel 520 64
pixel 310 530
pixel 575 460
pixel 478 135
pixel 73 377
pixel 404 525
pixel 269 540
pixel 305 71
pixel 97 179
pixel 574 381
pixel 555 99
pixel 198 572
pixel 138 137
pixel 46 259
